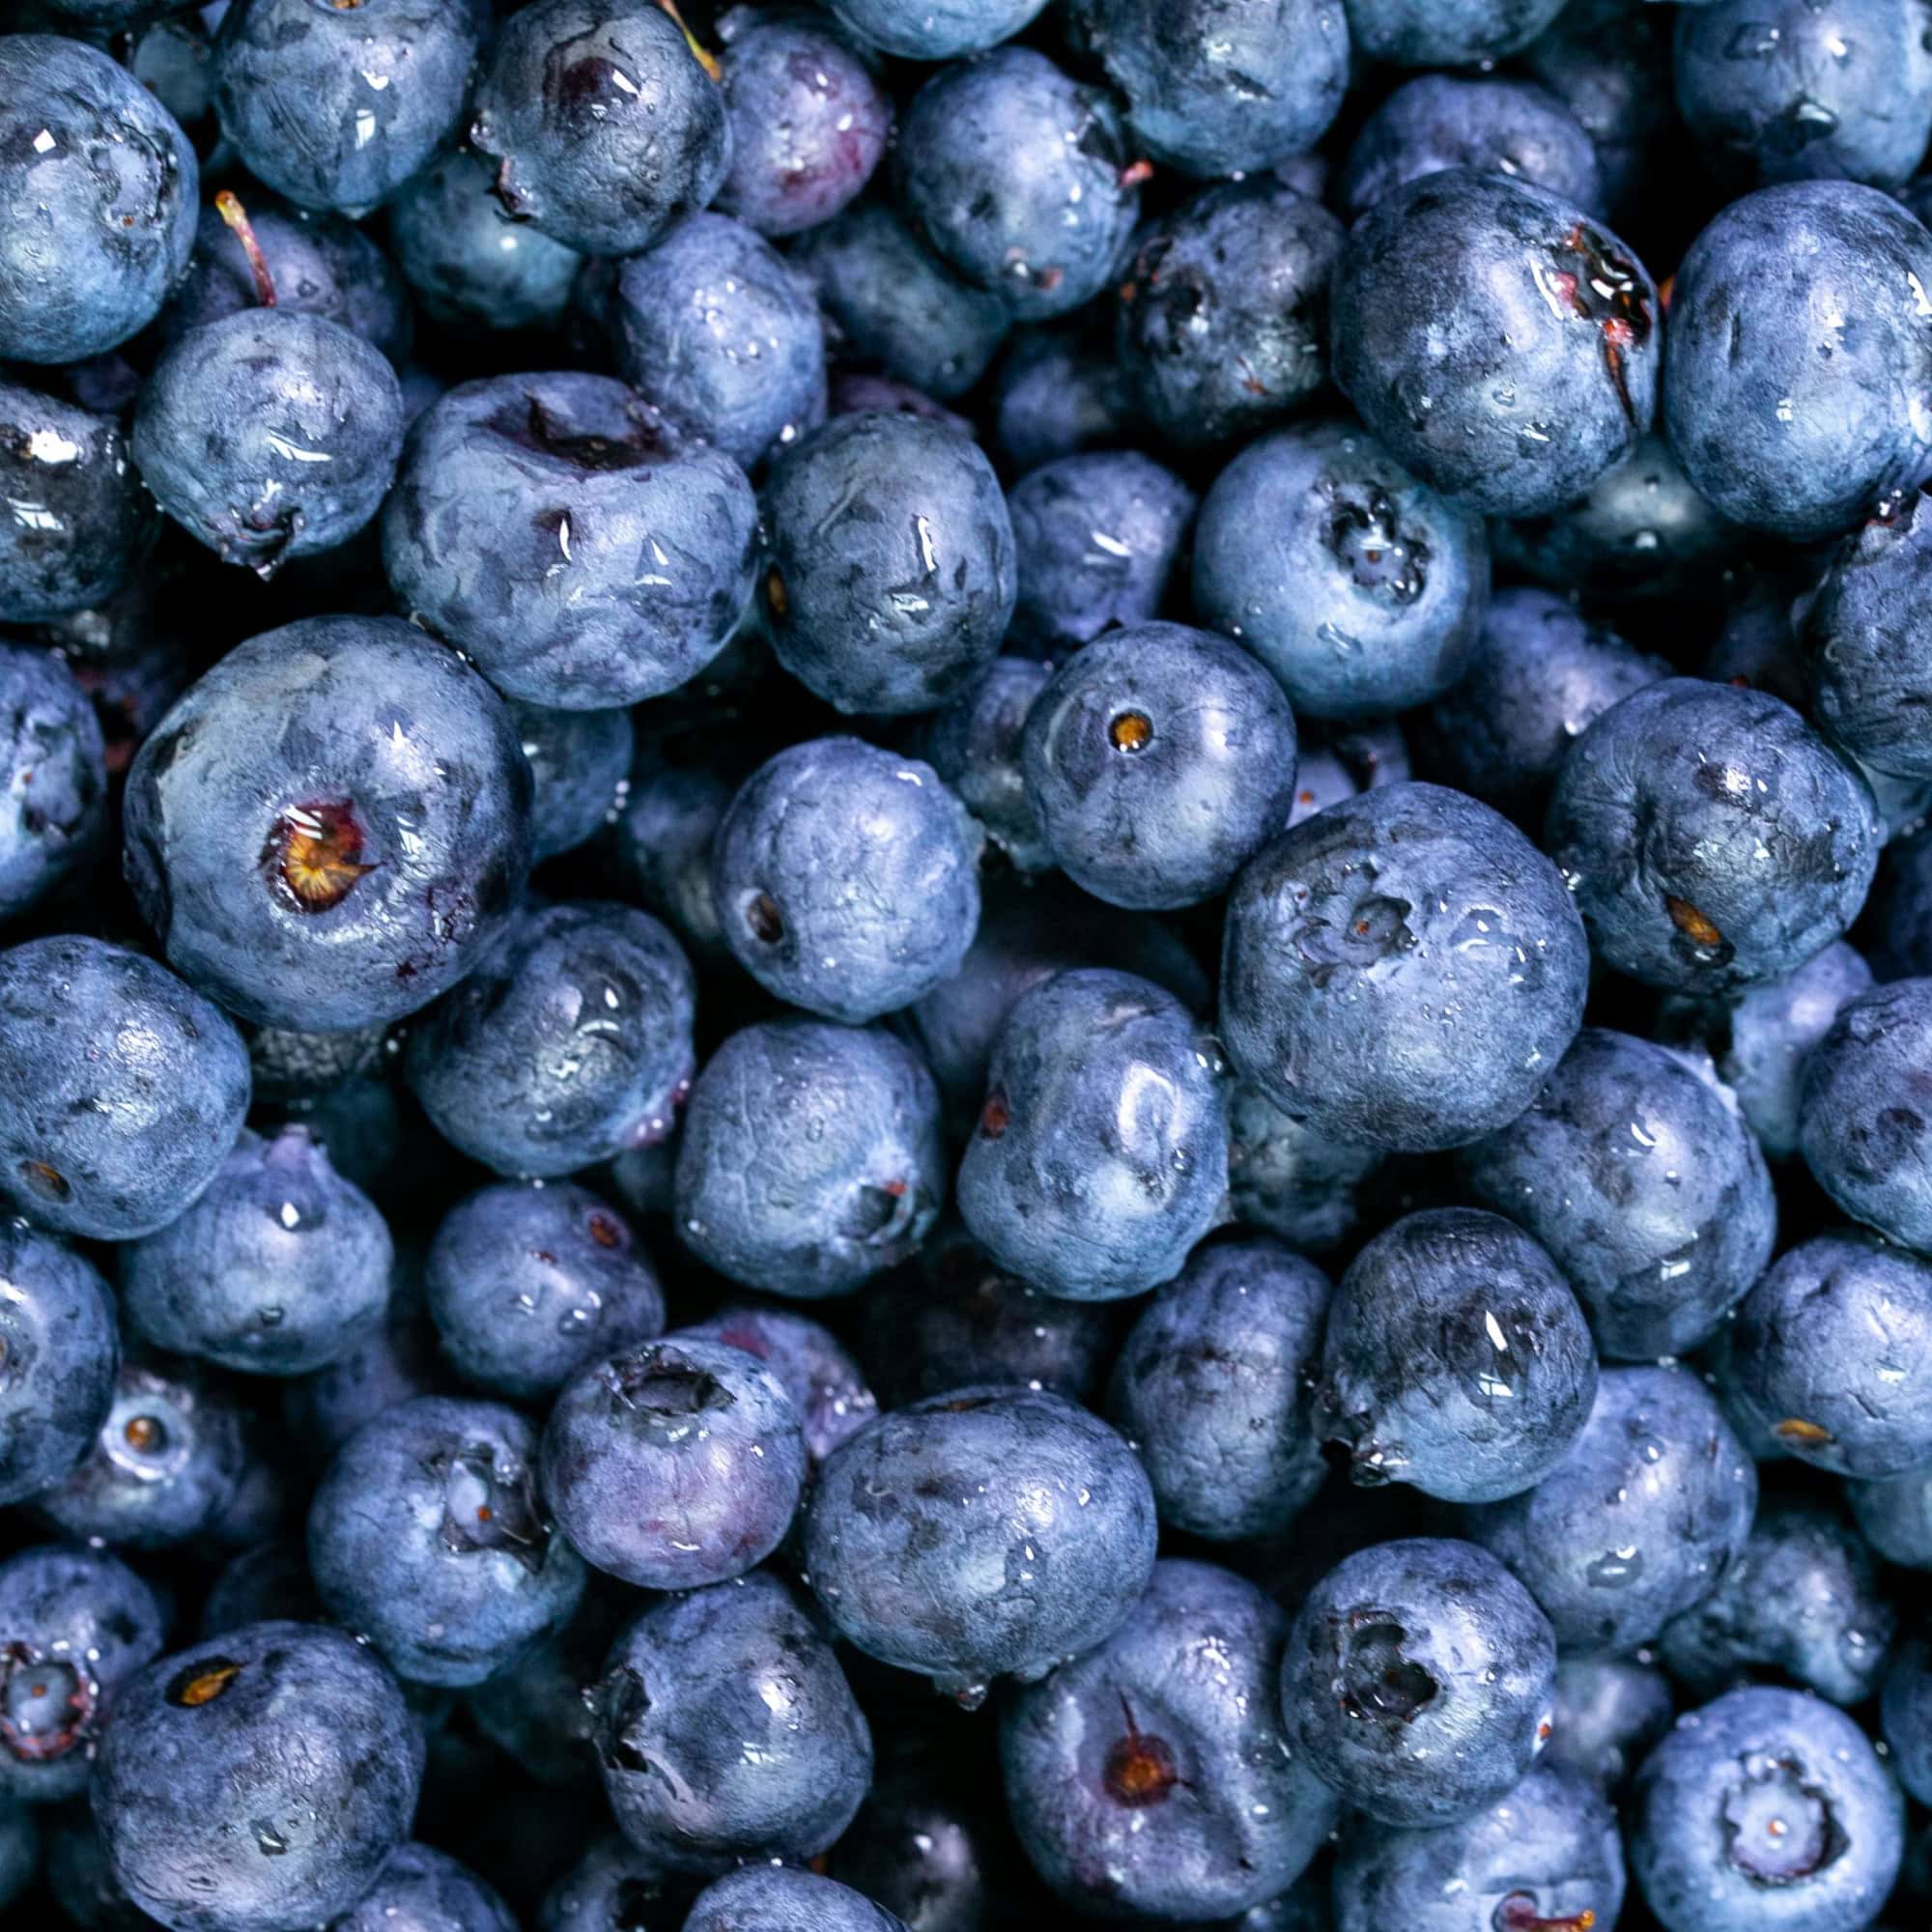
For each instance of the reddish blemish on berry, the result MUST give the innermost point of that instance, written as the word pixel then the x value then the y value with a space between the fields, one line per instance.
pixel 1807 1435
pixel 1140 1768
pixel 202 1682
pixel 995 1116
pixel 144 1435
pixel 1136 172
pixel 1517 1913
pixel 605 1232
pixel 896 1189
pixel 316 852
pixel 776 600
pixel 1131 731
pixel 49 1182
pixel 1597 286
pixel 1692 922
pixel 763 917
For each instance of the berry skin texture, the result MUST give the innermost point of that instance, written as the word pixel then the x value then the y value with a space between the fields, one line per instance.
pixel 940 32
pixel 1609 1712
pixel 778 1898
pixel 422 1889
pixel 59 1353
pixel 1418 1680
pixel 1446 33
pixel 53 777
pixel 257 1783
pixel 825 1385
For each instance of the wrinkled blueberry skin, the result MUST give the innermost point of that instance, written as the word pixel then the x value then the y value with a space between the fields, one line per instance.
pixel 570 1042
pixel 1099 537
pixel 984 1533
pixel 1803 90
pixel 602 169
pixel 1354 583
pixel 74 1623
pixel 292 88
pixel 422 1889
pixel 809 120
pixel 1159 760
pixel 674 1464
pixel 1151 1778
pixel 1701 1846
pixel 1298 1184
pixel 1793 333
pixel 97 227
pixel 1212 1388
pixel 53 774
pixel 1347 938
pixel 1059 392
pixel 811 1157
pixel 1215 88
pixel 521 512
pixel 307 1744
pixel 1224 316
pixel 1418 1680
pixel 390 733
pixel 578 761
pixel 1456 1358
pixel 1609 1712
pixel 79 520
pixel 59 1352
pixel 889 299
pixel 1801 1600
pixel 527 1284
pixel 825 1385
pixel 778 1898
pixel 1549 1848
pixel 726 1732
pixel 231 422
pixel 717 330
pixel 974 744
pixel 1542 382
pixel 1860 1129
pixel 1438 121
pixel 165 1463
pixel 1831 1352
pixel 1662 1230
pixel 121 1089
pixel 1541 673
pixel 278 1268
pixel 467 263
pixel 995 155
pixel 890 573
pixel 1662 818
pixel 1638 1522
pixel 1101 1153
pixel 426 1536
pixel 1446 33
pixel 847 879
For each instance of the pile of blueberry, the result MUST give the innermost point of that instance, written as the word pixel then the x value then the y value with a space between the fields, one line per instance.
pixel 965 965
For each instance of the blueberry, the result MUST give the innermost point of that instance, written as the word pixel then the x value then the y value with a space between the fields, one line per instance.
pixel 1860 1125
pixel 509 482
pixel 1447 33
pixel 975 746
pixel 78 523
pixel 1099 537
pixel 74 1623
pixel 354 864
pixel 256 1782
pixel 1402 970
pixel 1609 1712
pixel 422 1889
pixel 1020 176
pixel 922 1847
pixel 1060 391
pixel 846 880
pixel 1456 1358
pixel 1438 121
pixel 426 1536
pixel 776 1898
pixel 527 1284
pixel 1356 585
pixel 53 776
pixel 982 1533
pixel 1300 1185
pixel 727 1731
pixel 1894 1515
pixel 889 299
pixel 605 126
pixel 809 120
pixel 470 265
pixel 1711 840
pixel 1906 1716
pixel 124 1089
pixel 267 1584
pixel 889 576
pixel 1541 673
pixel 1792 326
pixel 579 761
pixel 1645 1186
pixel 1215 89
pixel 1499 340
pixel 570 1042
pixel 714 327
pixel 668 817
pixel 1639 1522
pixel 1418 1680
pixel 825 1385
pixel 1101 1153
pixel 59 1353
pixel 82 1883
pixel 811 1157
pixel 1143 1786
pixel 614 1888
pixel 1213 1388
pixel 1545 1855
pixel 674 1464
pixel 1764 1805
pixel 100 185
pixel 1158 760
